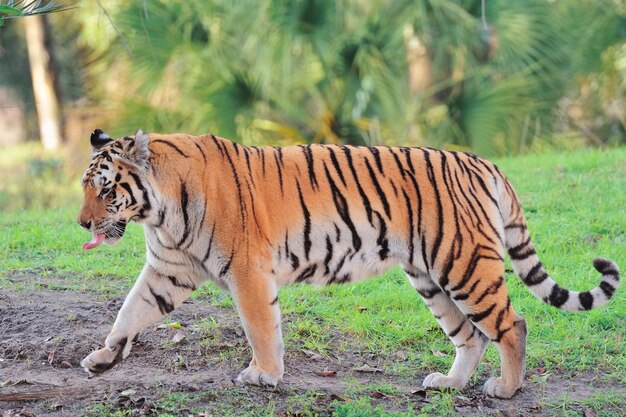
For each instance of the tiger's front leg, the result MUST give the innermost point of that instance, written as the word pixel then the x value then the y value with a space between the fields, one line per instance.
pixel 256 299
pixel 153 296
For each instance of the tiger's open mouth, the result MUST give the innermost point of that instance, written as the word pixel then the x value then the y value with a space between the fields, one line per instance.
pixel 110 236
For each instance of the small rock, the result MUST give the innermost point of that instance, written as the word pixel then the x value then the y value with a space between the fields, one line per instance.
pixel 367 369
pixel 178 337
pixel 400 355
pixel 312 355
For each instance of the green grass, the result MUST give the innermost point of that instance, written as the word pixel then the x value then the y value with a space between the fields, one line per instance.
pixel 575 204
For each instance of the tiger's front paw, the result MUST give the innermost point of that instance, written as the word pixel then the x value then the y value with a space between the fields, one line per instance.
pixel 106 358
pixel 256 376
pixel 439 380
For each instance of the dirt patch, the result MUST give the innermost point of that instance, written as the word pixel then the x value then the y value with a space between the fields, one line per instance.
pixel 195 354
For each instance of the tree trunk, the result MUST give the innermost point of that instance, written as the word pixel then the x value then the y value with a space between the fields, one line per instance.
pixel 43 74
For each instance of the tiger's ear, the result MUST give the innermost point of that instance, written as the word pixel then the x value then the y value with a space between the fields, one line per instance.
pixel 99 139
pixel 138 152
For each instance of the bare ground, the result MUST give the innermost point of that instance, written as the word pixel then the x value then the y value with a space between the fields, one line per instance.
pixel 45 333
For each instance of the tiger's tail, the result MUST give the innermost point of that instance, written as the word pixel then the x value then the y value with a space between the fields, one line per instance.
pixel 528 267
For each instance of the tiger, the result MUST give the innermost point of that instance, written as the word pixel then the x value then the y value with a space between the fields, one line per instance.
pixel 253 219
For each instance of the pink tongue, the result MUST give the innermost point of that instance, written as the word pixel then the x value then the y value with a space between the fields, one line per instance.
pixel 97 240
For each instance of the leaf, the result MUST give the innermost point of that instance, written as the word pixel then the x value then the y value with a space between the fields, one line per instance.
pixel 367 369
pixel 10 11
pixel 438 353
pixel 361 309
pixel 540 379
pixel 174 325
pixel 326 373
pixel 178 337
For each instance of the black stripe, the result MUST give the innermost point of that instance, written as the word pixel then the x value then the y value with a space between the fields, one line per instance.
pixel 208 249
pixel 335 162
pixel 382 238
pixel 226 267
pixel 262 154
pixel 201 151
pixel 342 209
pixel 429 292
pixel 307 273
pixel 129 190
pixel 184 200
pixel 465 296
pixel 170 144
pixel 236 146
pixel 492 289
pixel 247 153
pixel 379 190
pixel 295 261
pixel 238 185
pixel 307 224
pixel 433 181
pixel 280 171
pixel 457 330
pixel 604 267
pixel 407 154
pixel 217 145
pixel 164 306
pixel 536 275
pixel 177 283
pixel 274 301
pixel 144 192
pixel 607 289
pixel 501 314
pixel 308 154
pixel 338 267
pixel 161 217
pixel 482 315
pixel 329 255
pixel 379 164
pixel 586 300
pixel 558 296
pixel 409 209
pixel 471 267
pixel 418 194
pixel 398 163
pixel 364 199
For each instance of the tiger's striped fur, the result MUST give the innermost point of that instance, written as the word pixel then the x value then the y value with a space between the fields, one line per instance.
pixel 255 218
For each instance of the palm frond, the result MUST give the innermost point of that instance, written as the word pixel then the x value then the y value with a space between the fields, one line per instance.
pixel 22 8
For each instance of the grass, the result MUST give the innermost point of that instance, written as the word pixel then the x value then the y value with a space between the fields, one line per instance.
pixel 575 205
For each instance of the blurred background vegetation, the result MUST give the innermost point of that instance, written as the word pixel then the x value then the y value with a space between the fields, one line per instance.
pixel 528 75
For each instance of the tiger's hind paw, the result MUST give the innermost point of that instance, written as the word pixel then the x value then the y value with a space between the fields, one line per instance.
pixel 255 376
pixel 496 387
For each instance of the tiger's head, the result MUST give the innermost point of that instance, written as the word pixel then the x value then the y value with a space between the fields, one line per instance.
pixel 114 186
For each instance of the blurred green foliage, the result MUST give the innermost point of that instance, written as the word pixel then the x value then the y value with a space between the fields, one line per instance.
pixel 321 71
pixel 404 72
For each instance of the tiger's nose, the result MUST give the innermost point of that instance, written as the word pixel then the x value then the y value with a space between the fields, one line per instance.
pixel 85 223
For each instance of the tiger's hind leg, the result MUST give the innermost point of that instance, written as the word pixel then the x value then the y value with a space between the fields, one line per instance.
pixel 482 295
pixel 153 296
pixel 469 342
